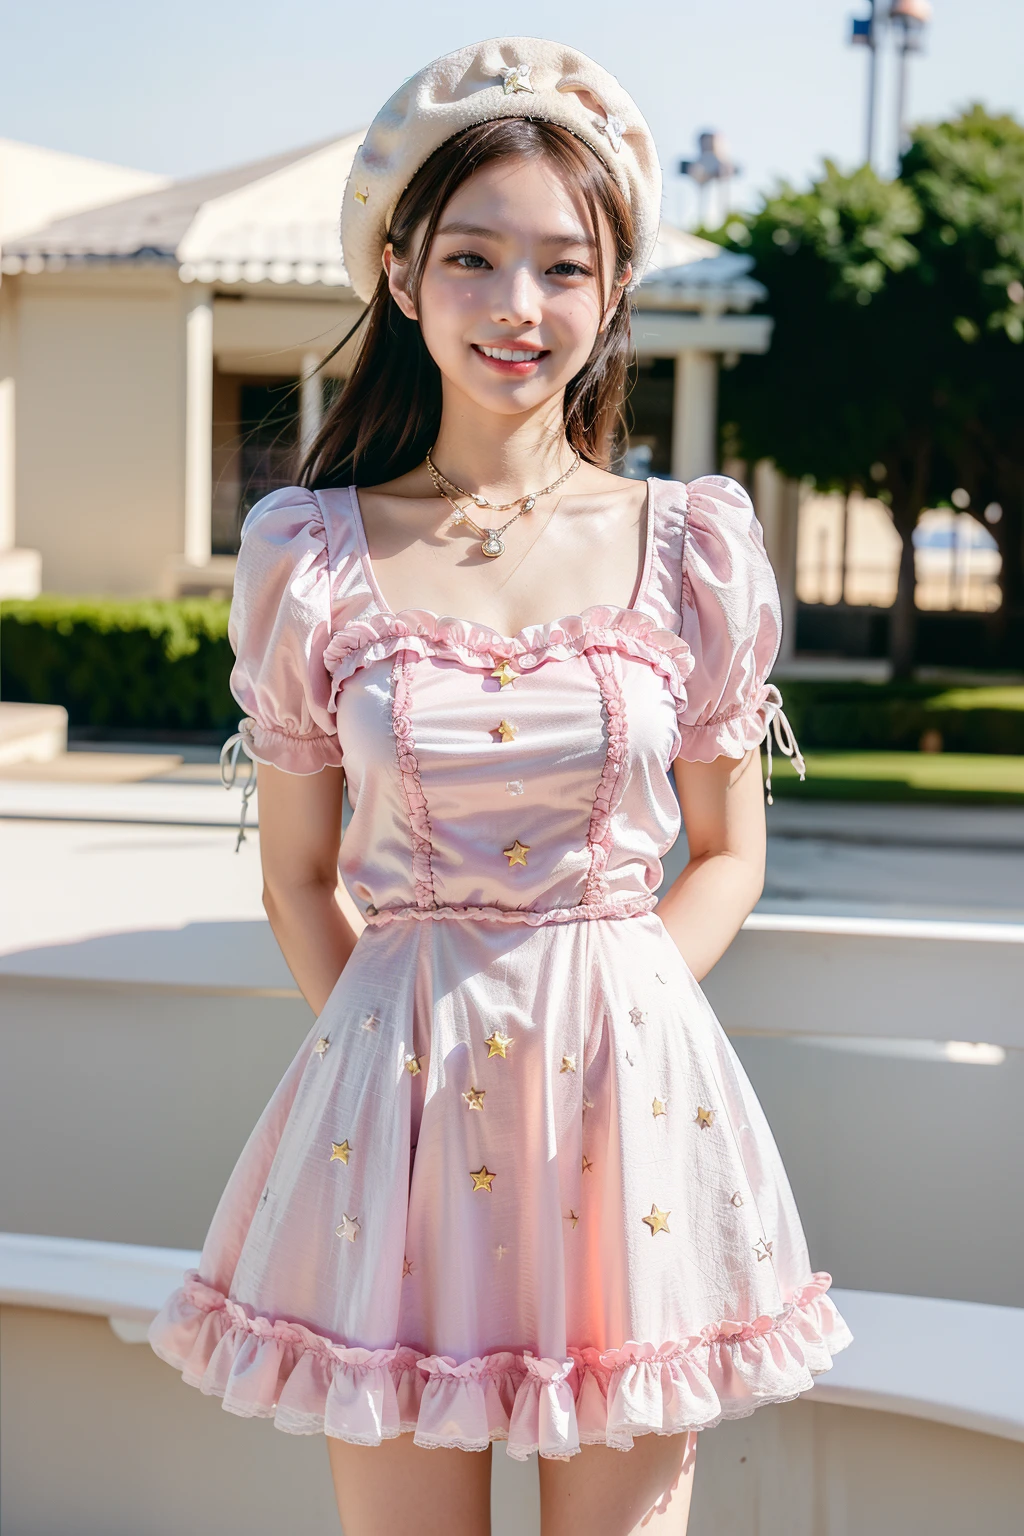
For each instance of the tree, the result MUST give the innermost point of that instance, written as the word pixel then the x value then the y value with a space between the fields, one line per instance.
pixel 968 179
pixel 883 368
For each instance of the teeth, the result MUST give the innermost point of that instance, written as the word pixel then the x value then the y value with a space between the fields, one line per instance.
pixel 507 355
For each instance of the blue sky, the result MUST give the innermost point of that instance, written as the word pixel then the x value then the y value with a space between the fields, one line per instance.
pixel 194 86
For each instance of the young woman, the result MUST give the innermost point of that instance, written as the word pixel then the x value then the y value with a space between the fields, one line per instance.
pixel 515 1184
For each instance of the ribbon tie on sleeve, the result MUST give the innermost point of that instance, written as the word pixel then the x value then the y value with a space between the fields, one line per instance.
pixel 786 740
pixel 229 754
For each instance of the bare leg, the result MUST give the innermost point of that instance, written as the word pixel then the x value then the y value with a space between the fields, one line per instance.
pixel 642 1492
pixel 399 1489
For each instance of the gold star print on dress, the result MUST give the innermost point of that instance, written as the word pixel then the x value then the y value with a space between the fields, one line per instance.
pixel 506 731
pixel 657 1220
pixel 568 1064
pixel 762 1249
pixel 705 1118
pixel 517 853
pixel 504 673
pixel 636 1017
pixel 321 1046
pixel 340 1151
pixel 349 1228
pixel 573 1216
pixel 474 1097
pixel 483 1179
pixel 657 1108
pixel 412 1065
pixel 498 1044
pixel 587 1164
pixel 407 1268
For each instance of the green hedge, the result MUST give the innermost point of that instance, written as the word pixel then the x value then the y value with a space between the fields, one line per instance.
pixel 153 666
pixel 893 717
pixel 146 666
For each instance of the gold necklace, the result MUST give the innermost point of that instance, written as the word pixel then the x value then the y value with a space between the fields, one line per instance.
pixel 491 542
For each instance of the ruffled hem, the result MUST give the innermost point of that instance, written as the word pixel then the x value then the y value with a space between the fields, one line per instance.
pixel 293 754
pixel 309 1384
pixel 376 636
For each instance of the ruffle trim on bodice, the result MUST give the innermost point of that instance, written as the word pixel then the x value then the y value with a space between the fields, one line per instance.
pixel 375 636
pixel 308 1384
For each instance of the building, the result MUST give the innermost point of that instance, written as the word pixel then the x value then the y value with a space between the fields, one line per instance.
pixel 156 343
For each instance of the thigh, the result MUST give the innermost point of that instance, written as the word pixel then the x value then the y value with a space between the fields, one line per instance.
pixel 642 1492
pixel 400 1489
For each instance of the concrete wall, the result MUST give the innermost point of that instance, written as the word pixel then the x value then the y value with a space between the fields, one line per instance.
pixel 99 1438
pixel 100 394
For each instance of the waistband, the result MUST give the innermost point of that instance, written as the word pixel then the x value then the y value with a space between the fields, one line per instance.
pixel 633 906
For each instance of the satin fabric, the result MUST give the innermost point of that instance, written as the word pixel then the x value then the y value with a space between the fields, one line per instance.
pixel 558 1216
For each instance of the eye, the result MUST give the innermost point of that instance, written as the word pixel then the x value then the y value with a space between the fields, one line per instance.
pixel 470 261
pixel 570 269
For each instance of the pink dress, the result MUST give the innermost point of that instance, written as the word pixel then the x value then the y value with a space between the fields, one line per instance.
pixel 515 1185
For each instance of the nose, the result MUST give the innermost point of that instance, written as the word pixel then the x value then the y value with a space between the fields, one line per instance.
pixel 518 300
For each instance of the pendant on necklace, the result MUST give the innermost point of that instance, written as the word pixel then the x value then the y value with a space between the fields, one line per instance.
pixel 492 545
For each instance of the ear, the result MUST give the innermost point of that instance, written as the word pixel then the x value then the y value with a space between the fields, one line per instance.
pixel 398 276
pixel 618 292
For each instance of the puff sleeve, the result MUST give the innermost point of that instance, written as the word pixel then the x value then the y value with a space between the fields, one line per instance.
pixel 732 622
pixel 279 628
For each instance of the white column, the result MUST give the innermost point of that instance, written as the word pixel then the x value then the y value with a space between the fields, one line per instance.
pixel 695 415
pixel 198 426
pixel 311 401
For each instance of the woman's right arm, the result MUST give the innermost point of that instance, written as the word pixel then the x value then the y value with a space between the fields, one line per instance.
pixel 313 920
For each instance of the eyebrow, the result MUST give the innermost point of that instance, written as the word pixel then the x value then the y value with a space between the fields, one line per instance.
pixel 456 227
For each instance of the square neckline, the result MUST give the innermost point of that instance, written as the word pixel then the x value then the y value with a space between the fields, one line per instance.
pixel 370 577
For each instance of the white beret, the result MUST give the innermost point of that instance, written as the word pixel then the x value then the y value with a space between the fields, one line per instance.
pixel 504 77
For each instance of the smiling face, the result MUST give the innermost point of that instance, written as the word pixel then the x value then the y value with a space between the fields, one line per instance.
pixel 508 304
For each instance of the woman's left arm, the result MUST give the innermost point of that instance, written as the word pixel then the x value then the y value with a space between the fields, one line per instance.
pixel 723 811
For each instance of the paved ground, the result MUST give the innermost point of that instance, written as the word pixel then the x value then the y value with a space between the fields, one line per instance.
pixel 100 836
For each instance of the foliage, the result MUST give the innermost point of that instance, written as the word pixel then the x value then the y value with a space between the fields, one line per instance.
pixel 895 716
pixel 150 666
pixel 968 179
pixel 896 359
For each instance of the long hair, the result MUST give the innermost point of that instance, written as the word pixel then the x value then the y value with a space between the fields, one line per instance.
pixel 387 413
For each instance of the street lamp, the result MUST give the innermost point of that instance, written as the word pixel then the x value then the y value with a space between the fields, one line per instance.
pixel 713 163
pixel 864 33
pixel 910 17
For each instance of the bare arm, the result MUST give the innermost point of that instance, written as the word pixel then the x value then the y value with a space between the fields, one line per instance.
pixel 314 921
pixel 723 811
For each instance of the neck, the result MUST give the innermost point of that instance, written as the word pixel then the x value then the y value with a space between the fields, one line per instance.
pixel 501 457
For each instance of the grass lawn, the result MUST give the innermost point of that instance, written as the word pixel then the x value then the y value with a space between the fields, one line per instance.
pixel 958 778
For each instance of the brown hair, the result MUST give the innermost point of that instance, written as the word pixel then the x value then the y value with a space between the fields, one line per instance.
pixel 387 413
